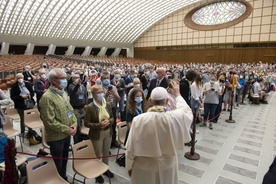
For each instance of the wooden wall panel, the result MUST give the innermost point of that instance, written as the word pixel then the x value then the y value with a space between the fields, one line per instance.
pixel 227 55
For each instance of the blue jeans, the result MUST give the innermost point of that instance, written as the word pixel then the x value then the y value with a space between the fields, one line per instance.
pixel 194 104
pixel 209 111
pixel 60 149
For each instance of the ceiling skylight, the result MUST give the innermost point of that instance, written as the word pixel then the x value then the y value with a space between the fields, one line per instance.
pixel 98 20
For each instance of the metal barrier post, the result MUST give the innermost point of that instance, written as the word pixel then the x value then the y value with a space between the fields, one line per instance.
pixel 192 155
pixel 230 120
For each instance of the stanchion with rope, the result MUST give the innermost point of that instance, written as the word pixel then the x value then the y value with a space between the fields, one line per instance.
pixel 230 120
pixel 192 155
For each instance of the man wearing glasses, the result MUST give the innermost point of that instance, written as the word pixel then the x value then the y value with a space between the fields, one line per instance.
pixel 58 118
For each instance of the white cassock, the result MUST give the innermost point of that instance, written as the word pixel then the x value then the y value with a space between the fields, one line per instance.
pixel 152 143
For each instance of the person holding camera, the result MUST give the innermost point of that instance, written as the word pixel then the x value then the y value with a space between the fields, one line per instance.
pixel 112 97
pixel 221 82
pixel 211 91
pixel 78 99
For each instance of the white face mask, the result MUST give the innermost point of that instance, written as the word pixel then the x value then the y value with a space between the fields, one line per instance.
pixel 20 81
pixel 43 76
pixel 77 81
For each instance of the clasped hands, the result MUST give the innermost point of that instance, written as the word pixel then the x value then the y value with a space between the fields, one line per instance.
pixel 73 130
pixel 105 123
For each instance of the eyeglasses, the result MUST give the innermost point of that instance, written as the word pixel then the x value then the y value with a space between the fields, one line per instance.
pixel 61 78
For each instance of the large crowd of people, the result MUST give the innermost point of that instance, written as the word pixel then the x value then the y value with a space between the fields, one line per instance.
pixel 102 94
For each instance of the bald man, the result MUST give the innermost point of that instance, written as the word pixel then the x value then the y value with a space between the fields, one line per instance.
pixel 161 81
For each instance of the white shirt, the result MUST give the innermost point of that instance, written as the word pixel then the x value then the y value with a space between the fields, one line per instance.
pixel 152 143
pixel 195 92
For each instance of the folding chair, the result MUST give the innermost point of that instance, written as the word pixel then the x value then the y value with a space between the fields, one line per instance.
pixel 43 170
pixel 122 129
pixel 87 168
pixel 9 131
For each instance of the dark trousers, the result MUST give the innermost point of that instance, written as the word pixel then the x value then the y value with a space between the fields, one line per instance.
pixel 60 149
pixel 114 111
pixel 209 111
pixel 79 113
pixel 21 115
pixel 218 109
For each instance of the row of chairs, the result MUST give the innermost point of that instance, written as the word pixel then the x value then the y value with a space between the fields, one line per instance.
pixel 43 170
pixel 81 150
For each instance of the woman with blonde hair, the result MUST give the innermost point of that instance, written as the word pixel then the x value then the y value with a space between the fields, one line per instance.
pixel 99 118
pixel 196 94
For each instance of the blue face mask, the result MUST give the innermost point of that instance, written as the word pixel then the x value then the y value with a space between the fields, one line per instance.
pixel 138 99
pixel 132 76
pixel 100 96
pixel 63 83
pixel 106 82
pixel 117 76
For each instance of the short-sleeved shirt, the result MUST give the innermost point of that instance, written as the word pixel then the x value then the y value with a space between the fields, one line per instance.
pixel 211 96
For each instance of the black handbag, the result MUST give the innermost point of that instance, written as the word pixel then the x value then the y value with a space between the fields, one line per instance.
pixel 121 161
pixel 29 103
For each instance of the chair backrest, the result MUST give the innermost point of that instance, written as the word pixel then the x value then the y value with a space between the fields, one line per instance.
pixel 83 149
pixel 11 110
pixel 43 170
pixel 8 124
pixel 44 143
pixel 32 116
pixel 84 129
pixel 122 129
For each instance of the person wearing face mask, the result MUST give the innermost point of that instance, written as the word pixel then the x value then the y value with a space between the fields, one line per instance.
pixel 239 89
pixel 41 85
pixel 129 81
pixel 136 104
pixel 119 82
pixel 99 119
pixel 28 75
pixel 211 91
pixel 136 84
pixel 161 81
pixel 112 97
pixel 84 78
pixel 46 66
pixel 58 118
pixel 20 91
pixel 78 99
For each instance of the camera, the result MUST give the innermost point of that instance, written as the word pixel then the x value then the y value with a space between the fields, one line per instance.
pixel 221 80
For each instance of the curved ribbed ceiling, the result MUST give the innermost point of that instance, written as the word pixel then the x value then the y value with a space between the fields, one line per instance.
pixel 121 21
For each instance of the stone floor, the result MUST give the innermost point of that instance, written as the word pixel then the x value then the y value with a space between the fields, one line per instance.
pixel 236 153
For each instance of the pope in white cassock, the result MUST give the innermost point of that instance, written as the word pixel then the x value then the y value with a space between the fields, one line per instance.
pixel 155 136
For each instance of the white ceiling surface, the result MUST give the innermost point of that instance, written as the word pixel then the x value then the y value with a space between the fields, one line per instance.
pixel 82 22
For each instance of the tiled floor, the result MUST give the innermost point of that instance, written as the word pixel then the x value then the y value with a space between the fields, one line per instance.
pixel 238 153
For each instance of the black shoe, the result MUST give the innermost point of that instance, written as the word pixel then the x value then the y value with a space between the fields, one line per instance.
pixel 188 144
pixel 115 145
pixel 99 179
pixel 210 126
pixel 108 173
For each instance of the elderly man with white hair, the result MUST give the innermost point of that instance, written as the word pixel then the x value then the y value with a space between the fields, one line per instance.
pixel 155 136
